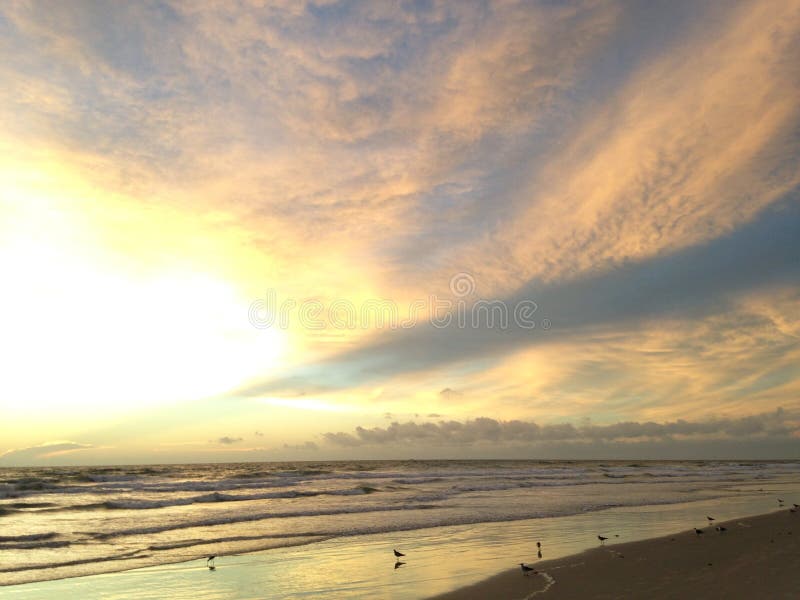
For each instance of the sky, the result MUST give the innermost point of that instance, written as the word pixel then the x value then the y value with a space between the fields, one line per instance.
pixel 239 231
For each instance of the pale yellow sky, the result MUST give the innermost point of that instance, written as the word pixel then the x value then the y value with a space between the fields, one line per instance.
pixel 630 169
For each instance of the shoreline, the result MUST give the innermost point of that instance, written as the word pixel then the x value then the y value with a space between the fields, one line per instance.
pixel 451 561
pixel 755 555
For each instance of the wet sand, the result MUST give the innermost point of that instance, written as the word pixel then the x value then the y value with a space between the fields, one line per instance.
pixel 755 557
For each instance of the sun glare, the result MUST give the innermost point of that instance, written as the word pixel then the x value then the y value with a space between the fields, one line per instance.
pixel 87 332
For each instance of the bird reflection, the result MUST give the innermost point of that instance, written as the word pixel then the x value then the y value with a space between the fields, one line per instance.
pixel 539 554
pixel 398 564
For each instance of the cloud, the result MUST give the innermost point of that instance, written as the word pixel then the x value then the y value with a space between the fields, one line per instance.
pixel 666 161
pixel 450 395
pixel 626 167
pixel 485 430
pixel 305 447
pixel 227 441
pixel 42 453
pixel 687 285
pixel 464 131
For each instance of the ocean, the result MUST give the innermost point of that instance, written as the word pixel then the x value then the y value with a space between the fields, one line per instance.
pixel 75 521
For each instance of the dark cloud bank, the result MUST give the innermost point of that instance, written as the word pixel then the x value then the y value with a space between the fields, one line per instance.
pixel 490 433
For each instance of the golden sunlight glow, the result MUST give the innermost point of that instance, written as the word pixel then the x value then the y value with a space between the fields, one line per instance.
pixel 86 330
pixel 309 404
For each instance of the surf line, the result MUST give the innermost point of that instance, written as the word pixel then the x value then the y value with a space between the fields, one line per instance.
pixel 550 581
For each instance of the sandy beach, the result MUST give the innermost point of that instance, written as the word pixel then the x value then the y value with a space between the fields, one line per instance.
pixel 757 556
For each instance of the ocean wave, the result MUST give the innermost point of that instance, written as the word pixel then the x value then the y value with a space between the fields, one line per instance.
pixel 315 536
pixel 75 562
pixel 24 505
pixel 31 537
pixel 34 545
pixel 227 479
pixel 215 497
pixel 219 497
pixel 258 517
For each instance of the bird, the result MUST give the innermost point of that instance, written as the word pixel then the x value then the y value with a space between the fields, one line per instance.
pixel 398 554
pixel 796 505
pixel 698 531
pixel 710 518
pixel 720 528
pixel 526 569
pixel 210 562
pixel 539 544
pixel 601 538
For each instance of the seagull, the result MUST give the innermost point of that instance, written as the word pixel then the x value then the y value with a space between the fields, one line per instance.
pixel 720 528
pixel 698 531
pixel 710 518
pixel 796 505
pixel 210 561
pixel 526 569
pixel 398 554
pixel 539 544
pixel 601 538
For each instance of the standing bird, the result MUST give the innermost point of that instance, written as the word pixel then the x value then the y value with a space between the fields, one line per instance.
pixel 539 544
pixel 710 519
pixel 398 554
pixel 526 569
pixel 210 561
pixel 698 531
pixel 720 528
pixel 601 538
